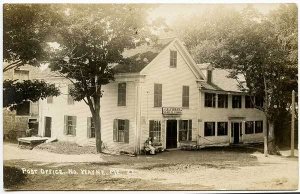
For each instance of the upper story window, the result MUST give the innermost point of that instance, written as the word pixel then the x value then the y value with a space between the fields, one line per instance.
pixel 210 100
pixel 21 74
pixel 23 108
pixel 249 100
pixel 70 125
pixel 70 98
pixel 49 99
pixel 259 101
pixel 185 96
pixel 222 101
pixel 173 58
pixel 236 101
pixel 157 95
pixel 209 76
pixel 122 94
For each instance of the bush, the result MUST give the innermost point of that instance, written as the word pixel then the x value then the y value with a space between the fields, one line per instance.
pixel 12 176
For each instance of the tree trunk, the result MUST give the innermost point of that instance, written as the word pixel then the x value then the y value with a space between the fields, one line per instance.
pixel 96 118
pixel 272 148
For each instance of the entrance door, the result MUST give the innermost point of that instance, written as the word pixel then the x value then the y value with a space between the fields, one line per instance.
pixel 236 132
pixel 48 121
pixel 171 134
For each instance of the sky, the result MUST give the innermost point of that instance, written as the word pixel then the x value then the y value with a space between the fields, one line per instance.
pixel 172 11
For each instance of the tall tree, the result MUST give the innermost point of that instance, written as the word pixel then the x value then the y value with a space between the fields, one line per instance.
pixel 26 30
pixel 92 39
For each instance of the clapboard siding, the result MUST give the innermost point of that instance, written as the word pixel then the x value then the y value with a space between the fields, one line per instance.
pixel 109 112
pixel 172 80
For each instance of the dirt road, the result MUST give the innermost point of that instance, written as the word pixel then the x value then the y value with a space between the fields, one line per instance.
pixel 208 169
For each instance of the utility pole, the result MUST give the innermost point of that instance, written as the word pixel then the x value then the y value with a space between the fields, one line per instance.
pixel 293 124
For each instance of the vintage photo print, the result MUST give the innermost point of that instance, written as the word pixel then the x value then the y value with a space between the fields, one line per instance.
pixel 150 96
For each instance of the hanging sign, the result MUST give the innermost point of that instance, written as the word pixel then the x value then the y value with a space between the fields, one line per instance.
pixel 171 110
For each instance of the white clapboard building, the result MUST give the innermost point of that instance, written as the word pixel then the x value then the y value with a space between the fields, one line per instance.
pixel 167 96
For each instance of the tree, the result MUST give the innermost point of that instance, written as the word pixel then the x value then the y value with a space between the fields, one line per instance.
pixel 26 29
pixel 93 38
pixel 15 93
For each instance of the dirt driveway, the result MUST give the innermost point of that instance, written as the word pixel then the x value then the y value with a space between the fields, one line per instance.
pixel 207 169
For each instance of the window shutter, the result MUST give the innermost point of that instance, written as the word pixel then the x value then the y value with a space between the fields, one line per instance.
pixel 151 122
pixel 126 131
pixel 115 130
pixel 190 130
pixel 66 125
pixel 89 127
pixel 74 125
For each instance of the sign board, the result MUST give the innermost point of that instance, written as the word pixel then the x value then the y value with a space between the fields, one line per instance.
pixel 171 110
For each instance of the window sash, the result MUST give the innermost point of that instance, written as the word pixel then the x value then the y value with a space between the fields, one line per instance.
pixel 155 129
pixel 173 58
pixel 210 100
pixel 209 128
pixel 222 129
pixel 236 101
pixel 249 127
pixel 258 126
pixel 222 101
pixel 248 102
pixel 70 98
pixel 71 125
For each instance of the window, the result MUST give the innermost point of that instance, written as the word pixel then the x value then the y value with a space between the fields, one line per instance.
pixel 259 101
pixel 258 126
pixel 155 130
pixel 173 58
pixel 249 127
pixel 70 125
pixel 23 108
pixel 121 130
pixel 157 95
pixel 209 129
pixel 222 101
pixel 236 101
pixel 70 98
pixel 21 74
pixel 49 99
pixel 210 100
pixel 185 96
pixel 249 100
pixel 122 94
pixel 185 130
pixel 91 128
pixel 222 128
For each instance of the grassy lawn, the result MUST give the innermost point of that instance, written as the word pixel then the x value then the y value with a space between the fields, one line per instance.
pixel 207 169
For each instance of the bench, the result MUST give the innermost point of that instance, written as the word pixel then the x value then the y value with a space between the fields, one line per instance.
pixel 32 141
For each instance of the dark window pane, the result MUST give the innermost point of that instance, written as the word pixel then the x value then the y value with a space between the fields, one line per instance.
pixel 210 100
pixel 173 58
pixel 249 102
pixel 222 101
pixel 185 96
pixel 209 129
pixel 222 128
pixel 249 127
pixel 258 126
pixel 23 109
pixel 236 101
pixel 122 94
pixel 157 95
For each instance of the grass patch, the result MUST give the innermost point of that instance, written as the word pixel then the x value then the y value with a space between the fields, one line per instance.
pixel 61 147
pixel 13 176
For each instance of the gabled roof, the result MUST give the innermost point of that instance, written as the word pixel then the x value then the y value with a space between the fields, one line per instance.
pixel 138 58
pixel 222 81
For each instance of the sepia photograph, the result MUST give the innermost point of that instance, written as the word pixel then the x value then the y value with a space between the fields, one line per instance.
pixel 122 96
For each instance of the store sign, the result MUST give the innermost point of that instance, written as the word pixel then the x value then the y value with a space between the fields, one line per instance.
pixel 171 110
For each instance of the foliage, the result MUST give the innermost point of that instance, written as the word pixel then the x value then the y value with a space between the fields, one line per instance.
pixel 15 93
pixel 26 32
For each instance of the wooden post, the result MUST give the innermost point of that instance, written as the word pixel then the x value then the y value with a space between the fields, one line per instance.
pixel 293 123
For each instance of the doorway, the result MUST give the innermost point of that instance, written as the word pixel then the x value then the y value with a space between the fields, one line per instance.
pixel 236 129
pixel 48 122
pixel 171 139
